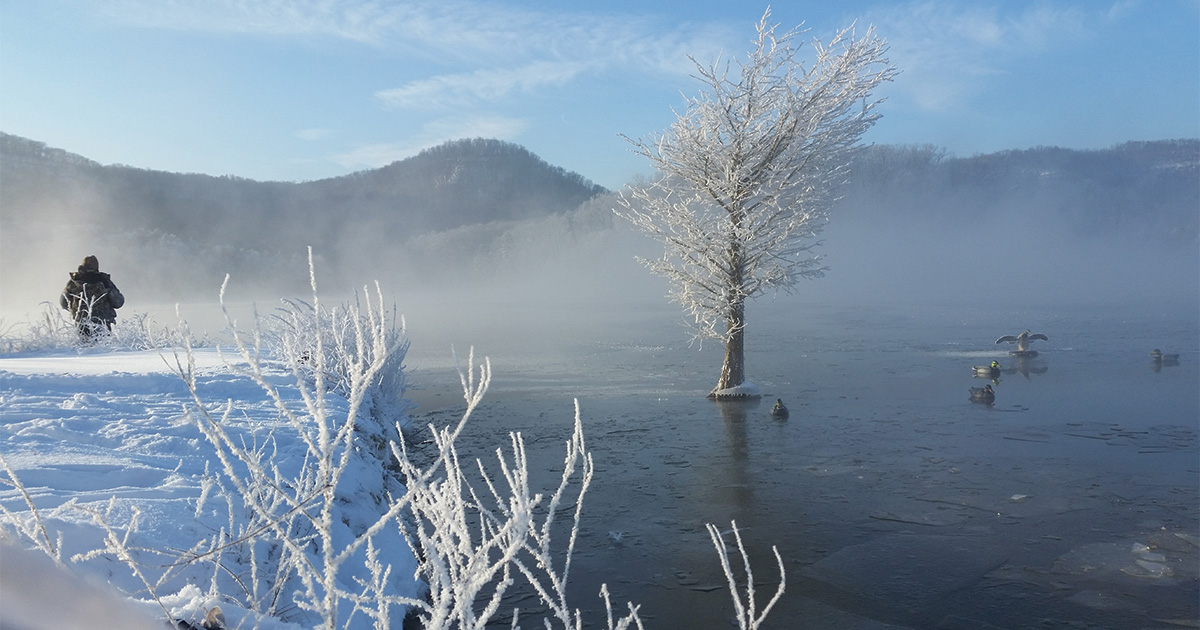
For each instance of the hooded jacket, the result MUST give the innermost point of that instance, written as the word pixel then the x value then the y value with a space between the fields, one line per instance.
pixel 91 294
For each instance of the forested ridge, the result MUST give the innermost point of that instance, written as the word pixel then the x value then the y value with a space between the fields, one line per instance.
pixel 1152 186
pixel 459 183
pixel 1147 189
pixel 474 208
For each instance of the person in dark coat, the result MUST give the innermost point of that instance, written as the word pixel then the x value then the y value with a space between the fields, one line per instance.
pixel 92 299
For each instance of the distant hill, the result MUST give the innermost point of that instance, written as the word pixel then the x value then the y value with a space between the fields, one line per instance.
pixel 472 209
pixel 459 183
pixel 181 230
pixel 455 184
pixel 1142 190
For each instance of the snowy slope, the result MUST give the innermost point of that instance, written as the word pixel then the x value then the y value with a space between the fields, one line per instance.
pixel 106 432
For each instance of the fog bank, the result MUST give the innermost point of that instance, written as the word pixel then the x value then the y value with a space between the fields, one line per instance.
pixel 914 229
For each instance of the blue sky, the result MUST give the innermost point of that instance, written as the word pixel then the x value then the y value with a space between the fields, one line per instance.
pixel 307 89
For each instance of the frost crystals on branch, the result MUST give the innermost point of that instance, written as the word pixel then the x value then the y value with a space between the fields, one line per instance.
pixel 748 617
pixel 747 175
pixel 316 535
pixel 470 541
pixel 329 562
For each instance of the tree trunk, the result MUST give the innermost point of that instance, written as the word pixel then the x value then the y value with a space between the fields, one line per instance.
pixel 733 372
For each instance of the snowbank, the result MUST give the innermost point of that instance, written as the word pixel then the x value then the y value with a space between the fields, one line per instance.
pixel 105 434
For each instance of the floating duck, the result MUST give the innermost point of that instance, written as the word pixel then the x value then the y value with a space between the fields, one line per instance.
pixel 1158 357
pixel 779 410
pixel 1022 340
pixel 990 371
pixel 983 394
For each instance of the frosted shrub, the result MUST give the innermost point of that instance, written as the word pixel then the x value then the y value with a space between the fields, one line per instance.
pixel 300 330
pixel 53 329
pixel 302 543
pixel 472 540
pixel 304 509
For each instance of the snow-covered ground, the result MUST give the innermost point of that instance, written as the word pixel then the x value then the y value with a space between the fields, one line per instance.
pixel 99 431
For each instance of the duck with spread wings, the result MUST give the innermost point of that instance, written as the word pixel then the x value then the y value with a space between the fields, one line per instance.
pixel 1022 340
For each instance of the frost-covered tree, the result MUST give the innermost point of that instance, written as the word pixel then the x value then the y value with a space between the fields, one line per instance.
pixel 747 174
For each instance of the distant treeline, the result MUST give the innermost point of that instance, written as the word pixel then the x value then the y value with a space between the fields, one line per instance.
pixel 1144 190
pixel 470 207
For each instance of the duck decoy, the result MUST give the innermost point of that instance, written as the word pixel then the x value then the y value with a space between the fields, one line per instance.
pixel 1158 357
pixel 1022 340
pixel 779 411
pixel 990 371
pixel 983 394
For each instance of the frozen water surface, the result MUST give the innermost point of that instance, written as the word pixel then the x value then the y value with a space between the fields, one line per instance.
pixel 894 500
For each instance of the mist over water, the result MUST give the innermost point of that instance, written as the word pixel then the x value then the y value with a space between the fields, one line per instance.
pixel 877 263
pixel 893 498
pixel 1049 227
pixel 1005 260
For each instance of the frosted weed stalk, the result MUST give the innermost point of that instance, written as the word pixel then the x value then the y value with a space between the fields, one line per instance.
pixel 470 543
pixel 34 528
pixel 53 329
pixel 470 540
pixel 306 519
pixel 746 610
pixel 297 544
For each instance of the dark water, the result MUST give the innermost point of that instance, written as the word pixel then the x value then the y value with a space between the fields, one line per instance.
pixel 894 501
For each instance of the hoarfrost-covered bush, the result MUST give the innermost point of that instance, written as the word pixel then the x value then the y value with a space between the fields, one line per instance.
pixel 303 544
pixel 53 329
pixel 305 335
pixel 306 517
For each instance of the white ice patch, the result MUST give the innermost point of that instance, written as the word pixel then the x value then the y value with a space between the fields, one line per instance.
pixel 745 390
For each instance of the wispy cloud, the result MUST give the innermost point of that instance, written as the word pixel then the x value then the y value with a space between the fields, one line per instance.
pixel 431 135
pixel 459 90
pixel 313 134
pixel 945 50
pixel 483 51
pixel 356 20
pixel 447 30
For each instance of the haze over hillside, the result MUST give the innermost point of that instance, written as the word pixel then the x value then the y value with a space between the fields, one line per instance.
pixel 1150 190
pixel 490 213
pixel 193 229
pixel 459 183
pixel 1119 226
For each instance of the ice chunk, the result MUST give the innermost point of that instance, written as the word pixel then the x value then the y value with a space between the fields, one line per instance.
pixel 881 570
pixel 1156 569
